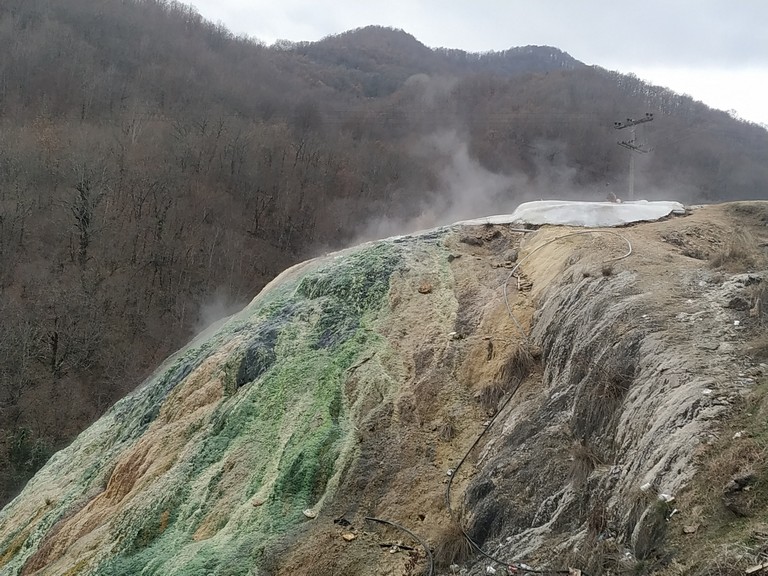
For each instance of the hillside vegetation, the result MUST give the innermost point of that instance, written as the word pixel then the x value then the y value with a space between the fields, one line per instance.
pixel 156 171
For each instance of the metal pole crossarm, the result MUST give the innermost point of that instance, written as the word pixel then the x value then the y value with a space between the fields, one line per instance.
pixel 631 122
pixel 633 147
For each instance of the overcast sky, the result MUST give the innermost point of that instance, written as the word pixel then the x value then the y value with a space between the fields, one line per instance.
pixel 714 50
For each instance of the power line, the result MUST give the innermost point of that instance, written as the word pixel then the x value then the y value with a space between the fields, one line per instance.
pixel 632 146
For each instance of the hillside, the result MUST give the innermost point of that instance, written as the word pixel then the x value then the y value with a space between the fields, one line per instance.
pixel 577 404
pixel 156 171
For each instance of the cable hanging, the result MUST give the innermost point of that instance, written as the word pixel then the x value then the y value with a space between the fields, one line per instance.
pixel 532 252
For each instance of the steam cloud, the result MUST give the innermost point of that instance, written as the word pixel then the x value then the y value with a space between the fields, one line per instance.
pixel 215 309
pixel 467 190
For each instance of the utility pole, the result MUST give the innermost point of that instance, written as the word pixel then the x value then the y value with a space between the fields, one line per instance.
pixel 632 146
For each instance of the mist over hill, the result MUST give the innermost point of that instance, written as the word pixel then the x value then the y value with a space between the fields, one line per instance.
pixel 157 170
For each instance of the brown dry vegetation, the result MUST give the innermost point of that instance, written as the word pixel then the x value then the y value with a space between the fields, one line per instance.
pixel 727 528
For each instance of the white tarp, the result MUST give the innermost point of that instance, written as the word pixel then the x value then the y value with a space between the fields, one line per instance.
pixel 587 214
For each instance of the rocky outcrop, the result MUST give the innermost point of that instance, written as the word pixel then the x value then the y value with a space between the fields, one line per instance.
pixel 356 386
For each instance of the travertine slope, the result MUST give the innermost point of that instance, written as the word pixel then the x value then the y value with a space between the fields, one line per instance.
pixel 354 385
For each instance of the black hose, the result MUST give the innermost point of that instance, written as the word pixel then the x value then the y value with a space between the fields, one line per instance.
pixel 518 567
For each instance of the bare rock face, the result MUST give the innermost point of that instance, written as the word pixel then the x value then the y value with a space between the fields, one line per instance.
pixel 370 407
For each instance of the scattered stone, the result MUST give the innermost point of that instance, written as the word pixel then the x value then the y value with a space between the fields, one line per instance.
pixel 738 303
pixel 709 346
pixel 737 496
pixel 574 572
pixel 258 502
pixel 668 498
pixel 309 513
pixel 490 569
pixel 648 533
pixel 449 472
pixel 511 256
pixel 348 536
pixel 425 288
pixel 452 257
pixel 738 434
pixel 491 235
pixel 690 529
pixel 740 481
pixel 471 240
pixel 341 521
pixel 756 568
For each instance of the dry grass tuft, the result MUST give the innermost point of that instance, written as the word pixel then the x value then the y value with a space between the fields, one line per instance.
pixel 598 557
pixel 447 430
pixel 584 461
pixel 491 394
pixel 738 254
pixel 606 381
pixel 758 348
pixel 452 547
pixel 758 311
pixel 519 364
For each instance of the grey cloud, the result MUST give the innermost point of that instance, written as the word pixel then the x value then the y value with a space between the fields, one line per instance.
pixel 715 33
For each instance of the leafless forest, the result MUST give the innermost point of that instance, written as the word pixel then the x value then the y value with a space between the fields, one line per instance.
pixel 156 171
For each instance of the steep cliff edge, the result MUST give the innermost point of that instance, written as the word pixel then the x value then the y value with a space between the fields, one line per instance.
pixel 356 385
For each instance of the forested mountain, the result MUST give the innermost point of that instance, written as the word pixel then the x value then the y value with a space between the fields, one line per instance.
pixel 156 170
